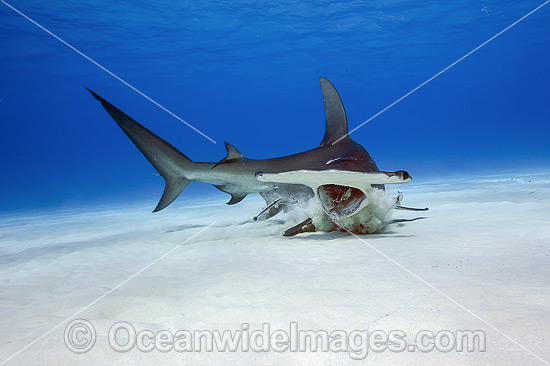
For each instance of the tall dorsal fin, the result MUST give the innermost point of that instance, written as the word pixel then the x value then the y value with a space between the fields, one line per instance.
pixel 232 154
pixel 336 123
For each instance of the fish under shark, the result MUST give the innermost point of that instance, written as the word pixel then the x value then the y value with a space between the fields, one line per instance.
pixel 338 181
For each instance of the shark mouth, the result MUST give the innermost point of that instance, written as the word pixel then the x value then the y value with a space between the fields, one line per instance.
pixel 340 201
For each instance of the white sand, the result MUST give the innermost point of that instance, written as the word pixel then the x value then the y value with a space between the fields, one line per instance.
pixel 484 243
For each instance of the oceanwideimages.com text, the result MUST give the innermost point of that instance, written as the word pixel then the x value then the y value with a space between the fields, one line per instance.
pixel 80 336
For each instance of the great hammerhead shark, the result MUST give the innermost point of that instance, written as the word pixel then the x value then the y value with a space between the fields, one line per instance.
pixel 339 174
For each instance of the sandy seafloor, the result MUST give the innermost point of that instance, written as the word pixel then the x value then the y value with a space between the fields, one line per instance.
pixel 485 243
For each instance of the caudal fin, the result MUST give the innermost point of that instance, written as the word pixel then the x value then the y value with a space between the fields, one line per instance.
pixel 167 160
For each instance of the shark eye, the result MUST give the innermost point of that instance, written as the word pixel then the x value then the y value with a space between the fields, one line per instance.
pixel 340 201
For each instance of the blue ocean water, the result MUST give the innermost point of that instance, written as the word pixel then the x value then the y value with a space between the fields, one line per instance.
pixel 247 72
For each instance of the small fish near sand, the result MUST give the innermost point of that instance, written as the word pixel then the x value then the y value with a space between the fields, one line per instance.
pixel 337 184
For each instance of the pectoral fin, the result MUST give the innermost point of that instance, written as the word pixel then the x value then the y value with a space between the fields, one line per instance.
pixel 305 226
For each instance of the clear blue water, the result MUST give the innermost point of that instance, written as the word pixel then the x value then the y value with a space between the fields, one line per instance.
pixel 247 72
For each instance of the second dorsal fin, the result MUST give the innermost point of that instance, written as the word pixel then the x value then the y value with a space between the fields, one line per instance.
pixel 336 123
pixel 232 154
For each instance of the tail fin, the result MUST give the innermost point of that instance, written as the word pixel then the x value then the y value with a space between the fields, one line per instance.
pixel 166 159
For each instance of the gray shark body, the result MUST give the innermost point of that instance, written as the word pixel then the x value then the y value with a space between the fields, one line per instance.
pixel 340 172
